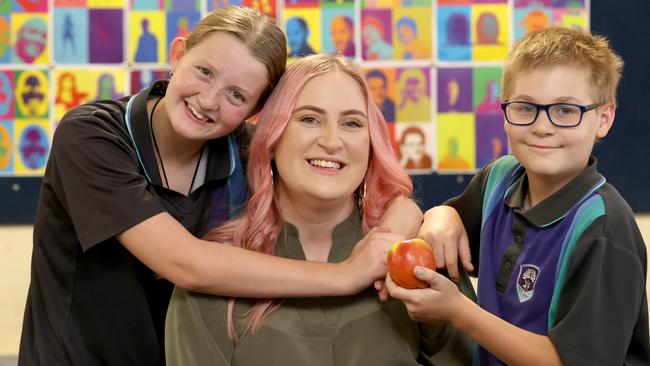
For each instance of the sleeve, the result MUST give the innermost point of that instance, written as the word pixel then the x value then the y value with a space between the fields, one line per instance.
pixel 95 176
pixel 195 331
pixel 469 205
pixel 600 303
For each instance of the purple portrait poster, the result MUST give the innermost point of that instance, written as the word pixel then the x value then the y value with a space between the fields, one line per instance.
pixel 491 142
pixel 454 90
pixel 106 36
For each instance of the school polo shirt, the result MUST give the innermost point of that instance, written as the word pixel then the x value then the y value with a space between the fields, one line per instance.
pixel 601 314
pixel 319 331
pixel 90 301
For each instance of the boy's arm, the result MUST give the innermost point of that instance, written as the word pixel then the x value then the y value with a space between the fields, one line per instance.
pixel 511 344
pixel 602 310
pixel 443 301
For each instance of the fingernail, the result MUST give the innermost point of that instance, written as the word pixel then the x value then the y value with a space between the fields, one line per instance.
pixel 418 271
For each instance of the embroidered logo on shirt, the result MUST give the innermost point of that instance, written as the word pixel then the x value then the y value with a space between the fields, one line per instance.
pixel 526 281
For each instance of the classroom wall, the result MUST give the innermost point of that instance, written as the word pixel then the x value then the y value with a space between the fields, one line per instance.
pixel 441 88
pixel 15 253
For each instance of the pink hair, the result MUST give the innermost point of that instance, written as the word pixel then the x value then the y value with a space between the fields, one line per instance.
pixel 261 224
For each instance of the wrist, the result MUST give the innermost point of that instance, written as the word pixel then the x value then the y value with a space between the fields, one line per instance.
pixel 340 281
pixel 462 317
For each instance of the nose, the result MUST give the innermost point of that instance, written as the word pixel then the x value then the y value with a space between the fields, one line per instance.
pixel 209 98
pixel 329 138
pixel 542 123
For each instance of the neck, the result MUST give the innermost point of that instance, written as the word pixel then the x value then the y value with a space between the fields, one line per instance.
pixel 315 222
pixel 177 157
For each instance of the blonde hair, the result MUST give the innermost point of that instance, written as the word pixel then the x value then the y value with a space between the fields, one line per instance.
pixel 561 46
pixel 259 33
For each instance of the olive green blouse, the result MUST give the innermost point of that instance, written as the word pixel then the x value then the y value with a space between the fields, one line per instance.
pixel 345 330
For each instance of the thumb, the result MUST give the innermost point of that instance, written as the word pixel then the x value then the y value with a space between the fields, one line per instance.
pixel 427 275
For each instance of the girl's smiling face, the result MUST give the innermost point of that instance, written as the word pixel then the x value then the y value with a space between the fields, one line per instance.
pixel 216 85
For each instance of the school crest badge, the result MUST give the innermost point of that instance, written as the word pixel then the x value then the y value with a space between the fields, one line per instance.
pixel 528 275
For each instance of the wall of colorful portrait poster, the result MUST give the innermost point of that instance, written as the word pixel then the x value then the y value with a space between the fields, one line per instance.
pixel 433 67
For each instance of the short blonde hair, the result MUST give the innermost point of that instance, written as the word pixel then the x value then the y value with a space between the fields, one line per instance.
pixel 561 46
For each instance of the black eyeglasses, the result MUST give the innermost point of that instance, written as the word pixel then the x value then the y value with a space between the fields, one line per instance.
pixel 560 114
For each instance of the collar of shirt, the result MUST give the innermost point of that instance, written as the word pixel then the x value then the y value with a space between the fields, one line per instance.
pixel 289 245
pixel 559 204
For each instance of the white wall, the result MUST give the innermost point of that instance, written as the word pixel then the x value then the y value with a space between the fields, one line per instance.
pixel 15 256
pixel 15 253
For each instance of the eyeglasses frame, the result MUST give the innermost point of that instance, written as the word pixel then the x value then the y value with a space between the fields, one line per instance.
pixel 546 107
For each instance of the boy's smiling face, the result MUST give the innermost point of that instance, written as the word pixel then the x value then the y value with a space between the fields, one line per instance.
pixel 553 155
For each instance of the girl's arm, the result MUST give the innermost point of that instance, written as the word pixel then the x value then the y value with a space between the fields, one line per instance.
pixel 403 216
pixel 166 247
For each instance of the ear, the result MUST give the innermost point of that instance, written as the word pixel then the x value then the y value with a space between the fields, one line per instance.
pixel 606 114
pixel 177 51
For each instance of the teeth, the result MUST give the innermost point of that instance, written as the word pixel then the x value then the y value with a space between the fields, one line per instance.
pixel 195 113
pixel 325 164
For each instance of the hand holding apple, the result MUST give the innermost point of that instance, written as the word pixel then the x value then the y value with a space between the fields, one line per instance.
pixel 405 255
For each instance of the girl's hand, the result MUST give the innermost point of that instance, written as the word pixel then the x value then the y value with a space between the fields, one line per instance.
pixel 367 262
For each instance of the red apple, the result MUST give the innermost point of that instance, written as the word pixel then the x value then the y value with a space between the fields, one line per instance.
pixel 405 255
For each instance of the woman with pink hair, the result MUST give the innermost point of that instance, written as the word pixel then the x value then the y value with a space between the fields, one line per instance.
pixel 321 173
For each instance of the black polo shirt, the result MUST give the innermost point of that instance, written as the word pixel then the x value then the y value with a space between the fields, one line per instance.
pixel 90 301
pixel 601 314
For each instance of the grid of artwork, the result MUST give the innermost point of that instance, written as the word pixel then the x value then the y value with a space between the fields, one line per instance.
pixel 433 67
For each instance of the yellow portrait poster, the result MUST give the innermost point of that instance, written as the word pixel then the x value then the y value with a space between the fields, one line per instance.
pixel 490 32
pixel 147 37
pixel 106 4
pixel 31 93
pixel 456 142
pixel 412 33
pixel 75 86
pixel 29 37
pixel 302 27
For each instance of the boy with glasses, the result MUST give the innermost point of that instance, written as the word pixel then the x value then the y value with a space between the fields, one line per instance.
pixel 562 277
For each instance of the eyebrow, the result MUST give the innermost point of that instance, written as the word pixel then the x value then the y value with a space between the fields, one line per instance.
pixel 563 99
pixel 323 111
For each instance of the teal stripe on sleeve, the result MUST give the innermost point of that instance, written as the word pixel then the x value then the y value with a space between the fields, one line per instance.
pixel 589 211
pixel 500 170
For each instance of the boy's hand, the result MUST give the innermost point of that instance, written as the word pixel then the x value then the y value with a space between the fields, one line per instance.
pixel 443 229
pixel 367 262
pixel 441 301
